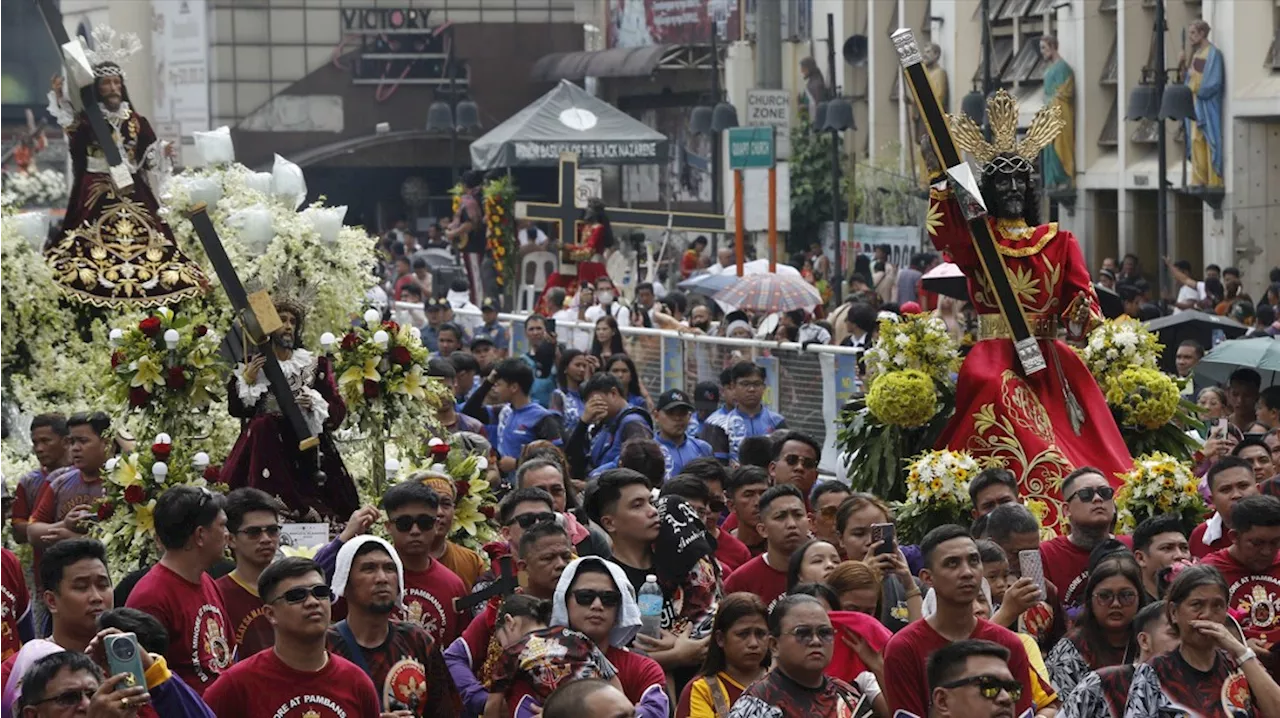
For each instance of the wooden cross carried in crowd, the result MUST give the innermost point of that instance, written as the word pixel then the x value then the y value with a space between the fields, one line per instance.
pixel 80 73
pixel 257 320
pixel 505 585
pixel 565 214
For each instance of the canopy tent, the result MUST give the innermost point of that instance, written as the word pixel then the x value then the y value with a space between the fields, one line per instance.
pixel 569 119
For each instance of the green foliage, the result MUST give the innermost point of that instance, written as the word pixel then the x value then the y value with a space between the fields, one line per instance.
pixel 884 197
pixel 811 184
pixel 878 452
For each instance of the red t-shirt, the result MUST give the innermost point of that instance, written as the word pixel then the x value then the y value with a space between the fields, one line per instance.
pixel 14 602
pixel 731 524
pixel 201 644
pixel 638 674
pixel 247 616
pixel 1254 597
pixel 64 490
pixel 1067 566
pixel 907 688
pixel 730 551
pixel 688 263
pixel 264 687
pixel 1200 549
pixel 758 577
pixel 428 600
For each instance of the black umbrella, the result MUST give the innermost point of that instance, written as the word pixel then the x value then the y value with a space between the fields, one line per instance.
pixel 1109 302
pixel 1207 329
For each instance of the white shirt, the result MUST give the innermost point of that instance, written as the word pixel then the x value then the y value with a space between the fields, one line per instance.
pixel 618 310
pixel 813 333
pixel 540 238
pixel 579 339
pixel 1187 294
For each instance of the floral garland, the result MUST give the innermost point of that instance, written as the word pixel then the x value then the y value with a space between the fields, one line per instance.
pixel 910 399
pixel 475 503
pixel 126 512
pixel 500 231
pixel 1158 484
pixel 41 188
pixel 937 492
pixel 1119 344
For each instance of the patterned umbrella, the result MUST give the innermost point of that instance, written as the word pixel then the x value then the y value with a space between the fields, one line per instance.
pixel 771 293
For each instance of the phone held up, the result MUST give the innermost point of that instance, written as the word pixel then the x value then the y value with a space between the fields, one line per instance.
pixel 885 533
pixel 1030 563
pixel 124 656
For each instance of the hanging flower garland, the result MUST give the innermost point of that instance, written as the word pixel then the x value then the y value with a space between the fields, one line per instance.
pixel 500 231
pixel 126 512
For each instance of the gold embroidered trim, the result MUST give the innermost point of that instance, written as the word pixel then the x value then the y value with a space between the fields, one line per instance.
pixel 1016 235
pixel 994 326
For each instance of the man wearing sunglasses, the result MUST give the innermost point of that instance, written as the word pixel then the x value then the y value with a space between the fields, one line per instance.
pixel 430 587
pixel 1091 516
pixel 254 525
pixel 795 462
pixel 69 683
pixel 298 676
pixel 971 679
pixel 825 499
pixel 192 526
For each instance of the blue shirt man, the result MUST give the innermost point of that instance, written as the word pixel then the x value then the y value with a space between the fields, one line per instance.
pixel 607 422
pixel 435 317
pixel 750 417
pixel 674 412
pixel 490 328
pixel 516 421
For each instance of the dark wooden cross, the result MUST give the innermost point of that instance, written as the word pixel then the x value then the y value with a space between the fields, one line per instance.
pixel 565 215
pixel 505 585
pixel 250 327
pixel 81 74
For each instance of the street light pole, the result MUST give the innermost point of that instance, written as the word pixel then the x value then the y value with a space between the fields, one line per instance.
pixel 717 201
pixel 453 106
pixel 838 275
pixel 1162 160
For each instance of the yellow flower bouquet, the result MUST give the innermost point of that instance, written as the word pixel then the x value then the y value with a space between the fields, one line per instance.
pixel 937 492
pixel 1158 484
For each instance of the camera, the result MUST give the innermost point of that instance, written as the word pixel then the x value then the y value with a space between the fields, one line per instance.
pixel 124 650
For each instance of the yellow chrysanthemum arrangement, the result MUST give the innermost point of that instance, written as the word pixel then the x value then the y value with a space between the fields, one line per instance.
pixel 906 398
pixel 937 491
pixel 1158 484
pixel 1145 398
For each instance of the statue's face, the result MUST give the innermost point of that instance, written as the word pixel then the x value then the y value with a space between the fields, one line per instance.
pixel 1011 194
pixel 932 53
pixel 1046 49
pixel 111 90
pixel 287 336
pixel 1195 34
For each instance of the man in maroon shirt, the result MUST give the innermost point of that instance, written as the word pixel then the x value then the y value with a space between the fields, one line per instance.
pixel 430 587
pixel 1015 529
pixel 254 526
pixel 49 444
pixel 192 526
pixel 64 503
pixel 297 677
pixel 1251 567
pixel 1091 514
pixel 745 486
pixel 1230 480
pixel 785 525
pixel 953 567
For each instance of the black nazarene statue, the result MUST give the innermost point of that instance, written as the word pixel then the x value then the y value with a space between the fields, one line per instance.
pixel 116 251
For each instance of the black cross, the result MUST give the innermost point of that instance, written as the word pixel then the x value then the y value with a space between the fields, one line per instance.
pixel 120 176
pixel 564 214
pixel 505 585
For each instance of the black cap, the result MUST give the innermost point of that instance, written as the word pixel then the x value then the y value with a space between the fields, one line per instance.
pixel 706 395
pixel 482 340
pixel 488 305
pixel 674 399
pixel 437 303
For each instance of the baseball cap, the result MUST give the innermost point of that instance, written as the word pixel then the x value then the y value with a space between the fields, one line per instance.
pixel 674 399
pixel 488 305
pixel 436 303
pixel 706 396
pixel 482 340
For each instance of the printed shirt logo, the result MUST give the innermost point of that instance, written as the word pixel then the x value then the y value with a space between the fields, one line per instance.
pixel 310 706
pixel 425 610
pixel 1236 698
pixel 406 684
pixel 210 652
pixel 1256 597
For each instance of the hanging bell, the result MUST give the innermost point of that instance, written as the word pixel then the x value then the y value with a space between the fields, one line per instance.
pixel 1178 103
pixel 724 117
pixel 820 115
pixel 700 120
pixel 839 115
pixel 467 116
pixel 1142 103
pixel 439 117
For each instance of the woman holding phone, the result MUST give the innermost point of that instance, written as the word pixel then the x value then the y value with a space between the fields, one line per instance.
pixel 862 522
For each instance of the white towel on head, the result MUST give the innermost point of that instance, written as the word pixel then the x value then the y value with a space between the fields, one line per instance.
pixel 929 605
pixel 628 624
pixel 1212 529
pixel 347 554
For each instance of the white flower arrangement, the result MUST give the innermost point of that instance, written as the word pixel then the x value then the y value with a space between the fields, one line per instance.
pixel 918 342
pixel 41 188
pixel 1117 345
pixel 937 492
pixel 1158 484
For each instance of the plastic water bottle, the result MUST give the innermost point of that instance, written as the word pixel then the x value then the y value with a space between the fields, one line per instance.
pixel 650 600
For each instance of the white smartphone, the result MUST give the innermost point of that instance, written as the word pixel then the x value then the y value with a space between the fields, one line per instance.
pixel 1031 566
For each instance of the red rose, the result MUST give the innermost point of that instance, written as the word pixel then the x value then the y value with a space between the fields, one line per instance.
pixel 401 356
pixel 138 397
pixel 150 326
pixel 117 358
pixel 391 327
pixel 201 330
pixel 350 341
pixel 489 511
pixel 440 452
pixel 496 550
pixel 463 487
pixel 105 510
pixel 177 379
pixel 134 494
pixel 211 473
pixel 370 389
pixel 161 451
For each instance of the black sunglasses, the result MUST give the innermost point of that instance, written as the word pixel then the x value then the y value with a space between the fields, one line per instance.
pixel 404 524
pixel 809 463
pixel 528 521
pixel 297 595
pixel 255 532
pixel 989 686
pixel 1087 493
pixel 70 699
pixel 587 596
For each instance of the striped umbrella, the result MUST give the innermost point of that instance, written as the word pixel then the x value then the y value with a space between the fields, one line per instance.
pixel 770 293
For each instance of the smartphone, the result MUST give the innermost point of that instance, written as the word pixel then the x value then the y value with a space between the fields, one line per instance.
pixel 551 325
pixel 883 532
pixel 124 656
pixel 1032 568
pixel 1219 431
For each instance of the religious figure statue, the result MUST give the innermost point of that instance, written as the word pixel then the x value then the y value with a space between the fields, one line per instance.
pixel 582 260
pixel 1204 73
pixel 1060 90
pixel 467 231
pixel 1044 425
pixel 117 252
pixel 937 75
pixel 266 455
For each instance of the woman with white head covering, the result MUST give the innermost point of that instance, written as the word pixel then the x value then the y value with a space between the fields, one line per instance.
pixel 595 598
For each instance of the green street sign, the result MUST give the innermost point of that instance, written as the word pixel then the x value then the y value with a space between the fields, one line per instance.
pixel 750 147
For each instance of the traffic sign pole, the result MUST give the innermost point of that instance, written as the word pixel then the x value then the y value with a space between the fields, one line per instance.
pixel 773 219
pixel 738 219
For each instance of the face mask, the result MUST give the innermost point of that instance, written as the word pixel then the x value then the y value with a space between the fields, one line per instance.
pixel 604 297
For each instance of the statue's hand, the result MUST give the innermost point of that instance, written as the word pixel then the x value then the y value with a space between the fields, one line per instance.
pixel 56 84
pixel 251 370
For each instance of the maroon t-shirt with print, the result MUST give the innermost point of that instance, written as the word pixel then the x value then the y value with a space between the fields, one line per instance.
pixel 201 643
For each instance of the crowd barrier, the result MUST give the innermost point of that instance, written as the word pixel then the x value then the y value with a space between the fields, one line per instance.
pixel 805 384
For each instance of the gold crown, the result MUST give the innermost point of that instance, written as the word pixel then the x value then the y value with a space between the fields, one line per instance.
pixel 1002 115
